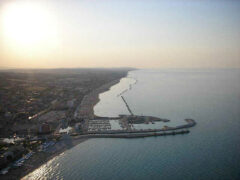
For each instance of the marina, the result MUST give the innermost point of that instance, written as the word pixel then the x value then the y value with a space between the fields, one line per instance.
pixel 130 126
pixel 102 128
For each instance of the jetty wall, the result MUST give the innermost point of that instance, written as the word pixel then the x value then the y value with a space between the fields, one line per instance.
pixel 130 111
pixel 132 135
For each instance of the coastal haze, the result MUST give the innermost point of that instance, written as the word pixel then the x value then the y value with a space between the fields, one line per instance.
pixel 137 33
pixel 119 89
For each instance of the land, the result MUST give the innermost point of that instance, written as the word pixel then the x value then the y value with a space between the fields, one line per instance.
pixel 36 104
pixel 31 97
pixel 41 132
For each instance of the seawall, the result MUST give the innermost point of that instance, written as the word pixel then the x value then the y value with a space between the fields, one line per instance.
pixel 132 135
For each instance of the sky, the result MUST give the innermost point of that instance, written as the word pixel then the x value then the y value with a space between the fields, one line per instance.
pixel 120 33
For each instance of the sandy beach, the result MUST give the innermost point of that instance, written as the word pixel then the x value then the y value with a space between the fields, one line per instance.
pixel 91 99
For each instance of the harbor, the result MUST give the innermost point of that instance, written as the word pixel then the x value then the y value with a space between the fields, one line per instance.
pixel 101 127
pixel 85 124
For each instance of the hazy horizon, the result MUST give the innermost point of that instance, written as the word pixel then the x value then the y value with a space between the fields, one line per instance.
pixel 111 34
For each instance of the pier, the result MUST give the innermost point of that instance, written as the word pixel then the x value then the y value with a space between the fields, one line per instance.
pixel 100 127
pixel 130 111
pixel 131 135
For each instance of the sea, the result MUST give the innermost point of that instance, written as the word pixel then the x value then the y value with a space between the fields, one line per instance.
pixel 211 151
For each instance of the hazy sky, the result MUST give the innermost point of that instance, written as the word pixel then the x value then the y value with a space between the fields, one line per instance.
pixel 109 33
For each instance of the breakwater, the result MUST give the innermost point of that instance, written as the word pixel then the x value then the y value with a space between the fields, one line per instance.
pixel 129 88
pixel 190 123
pixel 130 111
pixel 98 126
pixel 131 135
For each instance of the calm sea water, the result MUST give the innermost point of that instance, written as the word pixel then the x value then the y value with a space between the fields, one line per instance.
pixel 210 151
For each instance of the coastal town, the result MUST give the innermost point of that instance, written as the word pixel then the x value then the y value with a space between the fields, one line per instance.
pixel 37 104
pixel 45 112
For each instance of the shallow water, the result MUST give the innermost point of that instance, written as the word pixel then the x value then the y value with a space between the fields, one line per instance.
pixel 111 104
pixel 210 151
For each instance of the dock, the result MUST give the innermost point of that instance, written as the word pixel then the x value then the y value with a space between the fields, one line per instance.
pixel 100 127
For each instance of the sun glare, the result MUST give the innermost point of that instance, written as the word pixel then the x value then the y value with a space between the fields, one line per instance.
pixel 27 25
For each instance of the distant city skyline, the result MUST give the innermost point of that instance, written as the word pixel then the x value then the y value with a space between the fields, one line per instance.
pixel 120 33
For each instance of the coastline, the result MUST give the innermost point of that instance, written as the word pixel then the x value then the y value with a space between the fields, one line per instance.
pixel 90 100
pixel 40 158
pixel 84 111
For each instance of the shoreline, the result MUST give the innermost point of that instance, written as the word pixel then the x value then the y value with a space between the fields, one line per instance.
pixel 86 108
pixel 48 157
pixel 41 158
